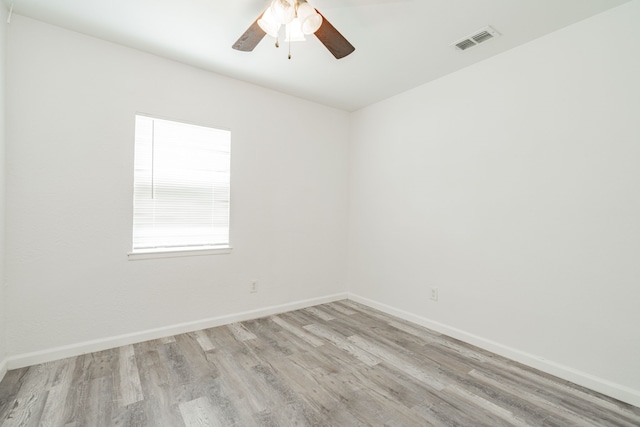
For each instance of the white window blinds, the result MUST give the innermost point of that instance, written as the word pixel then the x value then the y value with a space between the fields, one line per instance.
pixel 181 186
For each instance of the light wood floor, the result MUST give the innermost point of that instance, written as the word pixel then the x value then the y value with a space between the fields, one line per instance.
pixel 339 364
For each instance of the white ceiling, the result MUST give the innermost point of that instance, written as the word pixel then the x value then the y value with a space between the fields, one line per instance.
pixel 400 44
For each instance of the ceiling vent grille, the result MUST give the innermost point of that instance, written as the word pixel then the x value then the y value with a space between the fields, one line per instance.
pixel 480 36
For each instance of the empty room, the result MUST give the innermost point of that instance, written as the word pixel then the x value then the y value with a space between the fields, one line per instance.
pixel 333 213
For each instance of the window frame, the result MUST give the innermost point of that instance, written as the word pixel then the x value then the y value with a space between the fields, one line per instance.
pixel 176 251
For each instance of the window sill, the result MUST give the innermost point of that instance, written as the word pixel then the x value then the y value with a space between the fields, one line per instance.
pixel 173 253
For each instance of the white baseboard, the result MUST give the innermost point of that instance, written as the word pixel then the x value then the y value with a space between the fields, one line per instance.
pixel 49 355
pixel 601 385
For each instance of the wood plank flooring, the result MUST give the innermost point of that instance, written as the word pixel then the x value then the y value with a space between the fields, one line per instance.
pixel 339 364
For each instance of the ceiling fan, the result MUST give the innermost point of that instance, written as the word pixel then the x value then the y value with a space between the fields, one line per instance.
pixel 295 15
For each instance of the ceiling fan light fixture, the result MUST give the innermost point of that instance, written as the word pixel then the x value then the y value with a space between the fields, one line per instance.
pixel 310 19
pixel 283 10
pixel 294 31
pixel 269 24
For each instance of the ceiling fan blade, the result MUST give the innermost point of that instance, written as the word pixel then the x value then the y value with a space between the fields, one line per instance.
pixel 333 40
pixel 250 39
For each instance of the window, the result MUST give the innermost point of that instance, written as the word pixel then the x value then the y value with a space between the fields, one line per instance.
pixel 181 187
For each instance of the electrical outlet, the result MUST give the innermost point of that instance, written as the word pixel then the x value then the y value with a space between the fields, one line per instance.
pixel 434 294
pixel 253 288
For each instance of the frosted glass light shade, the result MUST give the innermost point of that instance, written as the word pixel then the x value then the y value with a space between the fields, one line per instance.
pixel 269 24
pixel 294 31
pixel 310 20
pixel 283 10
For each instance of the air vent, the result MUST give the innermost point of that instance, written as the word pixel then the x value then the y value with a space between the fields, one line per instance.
pixel 465 44
pixel 480 36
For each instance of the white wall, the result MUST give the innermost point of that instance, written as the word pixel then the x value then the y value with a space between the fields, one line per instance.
pixel 71 105
pixel 3 352
pixel 514 187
